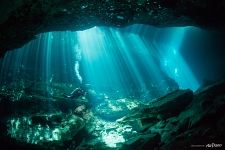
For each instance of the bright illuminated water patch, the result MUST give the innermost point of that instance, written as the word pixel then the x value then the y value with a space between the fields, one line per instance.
pixel 23 129
pixel 172 61
pixel 112 138
pixel 105 53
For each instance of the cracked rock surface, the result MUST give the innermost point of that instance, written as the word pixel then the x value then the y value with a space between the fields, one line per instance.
pixel 21 20
pixel 34 119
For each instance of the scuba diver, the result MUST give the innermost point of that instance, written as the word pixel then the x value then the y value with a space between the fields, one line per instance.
pixel 75 93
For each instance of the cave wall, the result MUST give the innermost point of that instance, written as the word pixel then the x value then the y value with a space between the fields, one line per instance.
pixel 22 20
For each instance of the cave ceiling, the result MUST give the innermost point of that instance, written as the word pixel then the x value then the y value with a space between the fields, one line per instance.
pixel 22 20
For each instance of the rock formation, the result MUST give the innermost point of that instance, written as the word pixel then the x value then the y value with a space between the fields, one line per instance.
pixel 179 120
pixel 21 20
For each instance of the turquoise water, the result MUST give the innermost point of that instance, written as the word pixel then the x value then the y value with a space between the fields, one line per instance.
pixel 118 70
pixel 122 61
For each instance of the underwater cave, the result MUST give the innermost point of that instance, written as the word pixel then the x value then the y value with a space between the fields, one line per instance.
pixel 108 74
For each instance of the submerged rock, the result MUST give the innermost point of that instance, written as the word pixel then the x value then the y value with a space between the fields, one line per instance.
pixel 141 142
pixel 199 119
pixel 115 109
pixel 21 20
pixel 171 104
pixel 179 120
pixel 46 130
pixel 162 108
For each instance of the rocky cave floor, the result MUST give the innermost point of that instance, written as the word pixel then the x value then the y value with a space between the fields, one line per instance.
pixel 179 120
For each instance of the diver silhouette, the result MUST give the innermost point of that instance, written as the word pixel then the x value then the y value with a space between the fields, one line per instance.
pixel 75 93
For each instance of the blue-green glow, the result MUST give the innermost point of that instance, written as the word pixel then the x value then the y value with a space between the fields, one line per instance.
pixel 108 59
pixel 173 62
pixel 122 68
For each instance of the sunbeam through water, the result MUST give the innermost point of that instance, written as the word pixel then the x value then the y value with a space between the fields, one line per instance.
pixel 115 70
